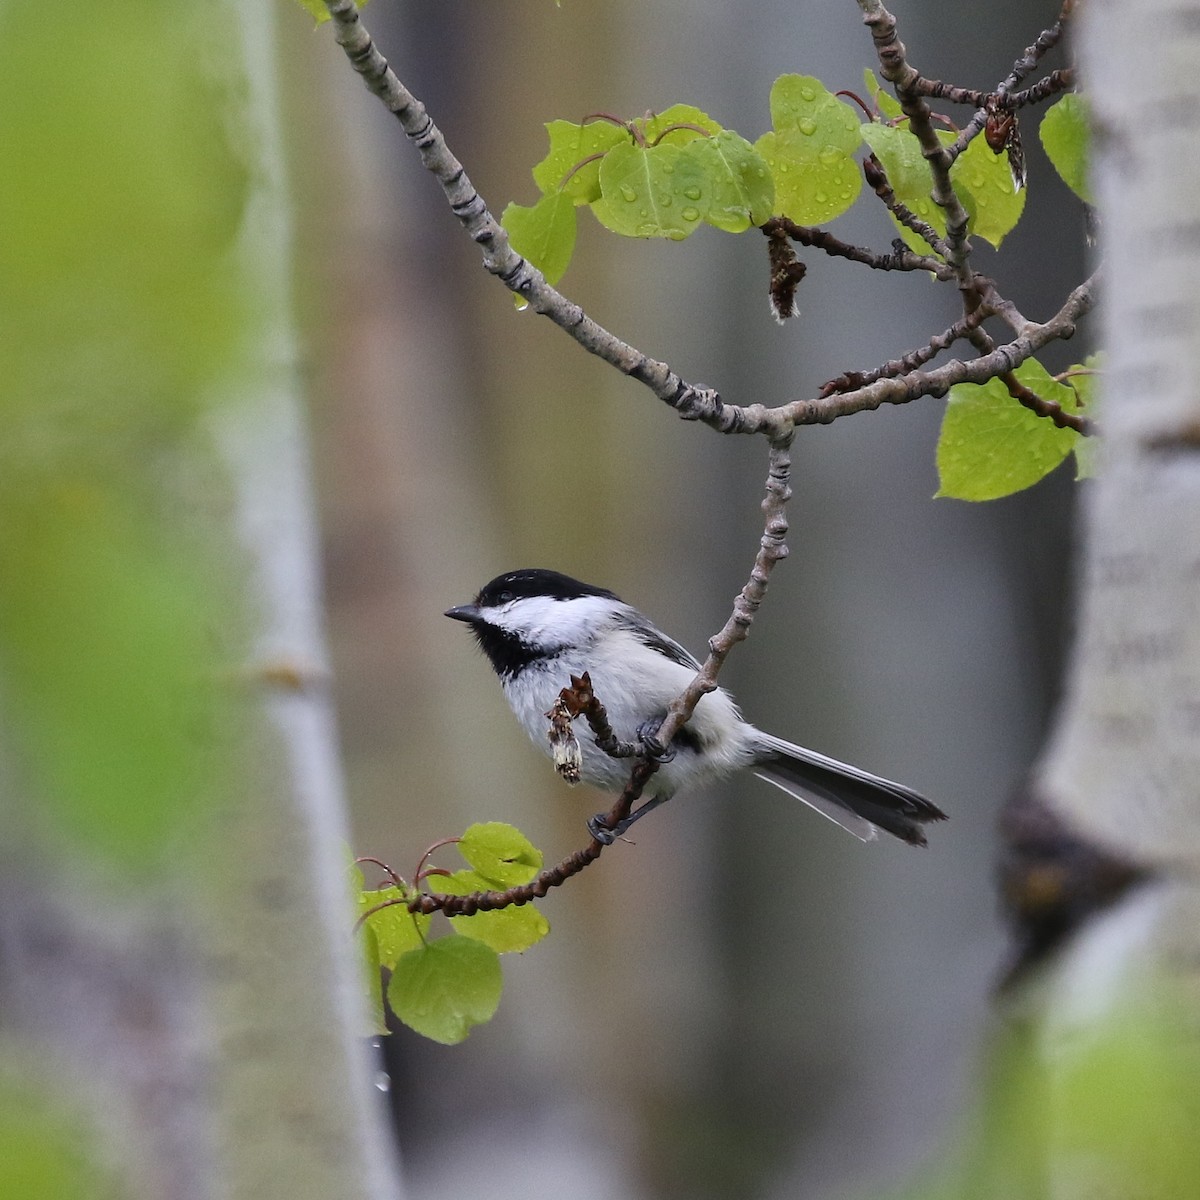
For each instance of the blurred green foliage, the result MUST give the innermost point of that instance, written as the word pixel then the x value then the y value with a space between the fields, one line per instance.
pixel 1105 1108
pixel 44 1154
pixel 120 200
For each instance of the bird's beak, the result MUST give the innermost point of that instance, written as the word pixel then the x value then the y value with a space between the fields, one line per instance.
pixel 464 612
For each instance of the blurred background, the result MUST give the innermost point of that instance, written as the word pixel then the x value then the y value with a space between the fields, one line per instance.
pixel 747 1002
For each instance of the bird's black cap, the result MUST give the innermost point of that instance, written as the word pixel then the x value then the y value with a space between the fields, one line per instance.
pixel 535 581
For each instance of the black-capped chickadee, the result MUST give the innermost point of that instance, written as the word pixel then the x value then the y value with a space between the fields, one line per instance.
pixel 538 628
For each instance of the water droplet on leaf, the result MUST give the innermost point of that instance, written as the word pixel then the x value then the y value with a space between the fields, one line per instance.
pixel 690 214
pixel 692 193
pixel 628 193
pixel 807 125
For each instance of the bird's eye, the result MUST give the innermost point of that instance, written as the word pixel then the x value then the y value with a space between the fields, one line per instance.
pixel 504 597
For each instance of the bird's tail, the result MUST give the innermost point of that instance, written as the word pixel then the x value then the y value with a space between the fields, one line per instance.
pixel 861 803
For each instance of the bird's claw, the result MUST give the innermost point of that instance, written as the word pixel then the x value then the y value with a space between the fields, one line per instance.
pixel 652 748
pixel 599 828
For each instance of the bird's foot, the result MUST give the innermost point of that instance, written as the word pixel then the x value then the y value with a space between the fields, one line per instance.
pixel 606 834
pixel 599 828
pixel 652 748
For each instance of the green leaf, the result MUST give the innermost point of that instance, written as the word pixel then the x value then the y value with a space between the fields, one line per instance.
pixel 506 930
pixel 984 182
pixel 809 152
pixel 742 191
pixel 446 987
pixel 991 445
pixel 1084 380
pixel 396 930
pixel 500 853
pixel 898 150
pixel 887 104
pixel 570 146
pixel 544 234
pixel 655 127
pixel 1065 138
pixel 656 191
pixel 373 993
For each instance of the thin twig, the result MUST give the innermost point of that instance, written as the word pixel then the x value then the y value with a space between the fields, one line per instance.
pixel 1062 80
pixel 879 183
pixel 771 549
pixel 910 361
pixel 581 701
pixel 940 380
pixel 1006 90
pixel 1026 396
pixel 935 89
pixel 690 401
pixel 903 77
pixel 552 877
pixel 1050 409
pixel 899 259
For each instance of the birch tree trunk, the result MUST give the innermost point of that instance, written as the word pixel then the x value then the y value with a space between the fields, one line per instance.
pixel 1124 768
pixel 1119 1039
pixel 180 1008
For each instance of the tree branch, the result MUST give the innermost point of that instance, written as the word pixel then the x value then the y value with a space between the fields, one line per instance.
pixel 903 77
pixel 552 877
pixel 1034 53
pixel 691 401
pixel 940 380
pixel 772 548
pixel 899 259
pixel 879 183
pixel 912 360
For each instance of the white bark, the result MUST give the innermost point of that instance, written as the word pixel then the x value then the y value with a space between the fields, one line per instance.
pixel 1125 765
pixel 203 1019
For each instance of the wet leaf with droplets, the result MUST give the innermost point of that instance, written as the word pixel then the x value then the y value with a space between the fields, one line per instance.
pixel 1064 136
pixel 809 150
pixel 565 168
pixel 741 191
pixel 991 445
pixel 446 987
pixel 659 125
pixel 984 181
pixel 544 234
pixel 655 191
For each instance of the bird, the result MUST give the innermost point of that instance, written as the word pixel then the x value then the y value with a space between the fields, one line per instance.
pixel 539 627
